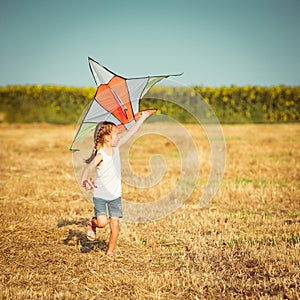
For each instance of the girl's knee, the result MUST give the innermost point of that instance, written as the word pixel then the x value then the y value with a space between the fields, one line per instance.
pixel 114 224
pixel 101 221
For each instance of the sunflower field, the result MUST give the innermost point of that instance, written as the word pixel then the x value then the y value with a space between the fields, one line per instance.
pixel 233 104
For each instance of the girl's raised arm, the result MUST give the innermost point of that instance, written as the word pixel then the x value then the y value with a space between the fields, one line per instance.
pixel 133 129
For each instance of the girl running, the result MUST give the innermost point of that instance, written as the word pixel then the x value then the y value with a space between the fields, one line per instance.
pixel 107 188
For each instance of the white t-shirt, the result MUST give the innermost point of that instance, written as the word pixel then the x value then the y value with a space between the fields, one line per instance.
pixel 108 181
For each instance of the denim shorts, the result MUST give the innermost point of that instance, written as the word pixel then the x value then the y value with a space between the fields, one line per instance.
pixel 114 207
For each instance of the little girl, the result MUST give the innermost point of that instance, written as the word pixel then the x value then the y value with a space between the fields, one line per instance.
pixel 107 186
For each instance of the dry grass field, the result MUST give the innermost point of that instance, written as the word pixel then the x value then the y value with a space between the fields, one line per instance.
pixel 245 244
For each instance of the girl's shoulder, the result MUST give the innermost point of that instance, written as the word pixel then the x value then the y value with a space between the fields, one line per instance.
pixel 98 158
pixel 99 154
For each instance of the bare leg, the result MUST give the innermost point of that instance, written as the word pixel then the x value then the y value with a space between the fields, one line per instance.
pixel 114 233
pixel 100 222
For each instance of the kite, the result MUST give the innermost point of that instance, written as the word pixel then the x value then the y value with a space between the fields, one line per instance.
pixel 117 100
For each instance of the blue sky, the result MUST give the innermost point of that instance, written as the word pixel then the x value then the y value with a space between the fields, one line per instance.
pixel 213 42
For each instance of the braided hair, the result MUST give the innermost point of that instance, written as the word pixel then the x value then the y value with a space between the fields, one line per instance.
pixel 101 131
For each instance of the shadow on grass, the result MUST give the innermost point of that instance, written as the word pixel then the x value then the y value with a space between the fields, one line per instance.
pixel 78 237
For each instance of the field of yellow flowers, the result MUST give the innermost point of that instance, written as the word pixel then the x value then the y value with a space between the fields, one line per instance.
pixel 234 104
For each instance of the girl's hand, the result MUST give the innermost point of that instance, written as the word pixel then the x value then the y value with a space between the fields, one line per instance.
pixel 145 113
pixel 89 184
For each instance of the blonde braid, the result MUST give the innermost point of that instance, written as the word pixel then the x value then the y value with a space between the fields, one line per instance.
pixel 101 131
pixel 98 140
